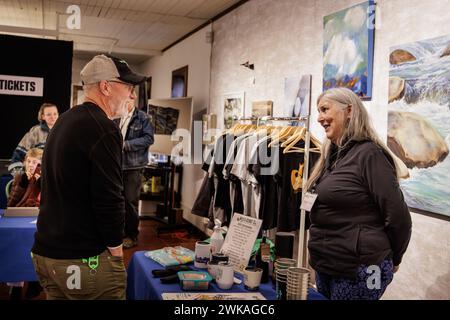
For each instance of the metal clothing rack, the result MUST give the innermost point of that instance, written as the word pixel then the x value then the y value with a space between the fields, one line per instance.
pixel 302 252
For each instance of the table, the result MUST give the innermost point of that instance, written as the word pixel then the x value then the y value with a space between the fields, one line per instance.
pixel 143 286
pixel 16 241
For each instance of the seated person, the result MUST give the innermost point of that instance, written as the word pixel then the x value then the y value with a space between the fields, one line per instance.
pixel 26 187
pixel 25 192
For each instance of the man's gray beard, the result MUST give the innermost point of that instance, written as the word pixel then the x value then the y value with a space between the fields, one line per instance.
pixel 121 114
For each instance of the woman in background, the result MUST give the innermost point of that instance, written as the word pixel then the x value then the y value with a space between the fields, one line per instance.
pixel 360 223
pixel 36 137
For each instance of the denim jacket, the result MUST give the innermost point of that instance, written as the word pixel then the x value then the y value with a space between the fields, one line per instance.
pixel 138 140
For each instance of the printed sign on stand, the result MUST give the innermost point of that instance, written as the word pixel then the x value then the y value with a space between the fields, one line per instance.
pixel 240 239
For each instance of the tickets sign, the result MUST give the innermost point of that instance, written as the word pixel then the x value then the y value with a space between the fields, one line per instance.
pixel 21 86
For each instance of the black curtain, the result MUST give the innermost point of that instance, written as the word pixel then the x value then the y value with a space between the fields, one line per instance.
pixel 31 57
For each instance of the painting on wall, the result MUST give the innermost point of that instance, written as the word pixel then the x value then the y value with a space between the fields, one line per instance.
pixel 233 108
pixel 262 108
pixel 297 96
pixel 418 121
pixel 164 120
pixel 348 49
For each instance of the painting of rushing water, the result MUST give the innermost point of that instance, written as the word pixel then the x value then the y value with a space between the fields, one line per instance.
pixel 348 49
pixel 419 120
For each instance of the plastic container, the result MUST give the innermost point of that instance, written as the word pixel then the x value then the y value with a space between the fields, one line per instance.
pixel 194 280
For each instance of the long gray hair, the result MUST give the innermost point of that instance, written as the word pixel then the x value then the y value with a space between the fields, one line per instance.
pixel 358 128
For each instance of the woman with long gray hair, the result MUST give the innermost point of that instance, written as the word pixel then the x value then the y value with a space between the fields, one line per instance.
pixel 360 224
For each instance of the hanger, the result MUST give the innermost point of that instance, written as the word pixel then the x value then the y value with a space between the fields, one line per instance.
pixel 295 139
pixel 292 148
pixel 281 134
pixel 294 135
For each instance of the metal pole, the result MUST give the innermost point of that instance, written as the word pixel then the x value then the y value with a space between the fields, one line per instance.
pixel 302 259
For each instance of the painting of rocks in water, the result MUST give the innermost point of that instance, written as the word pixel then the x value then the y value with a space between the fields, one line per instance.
pixel 164 120
pixel 348 49
pixel 419 120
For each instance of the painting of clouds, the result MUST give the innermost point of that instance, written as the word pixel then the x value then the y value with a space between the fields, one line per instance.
pixel 348 49
pixel 418 120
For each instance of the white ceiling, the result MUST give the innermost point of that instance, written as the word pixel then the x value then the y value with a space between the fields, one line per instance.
pixel 131 29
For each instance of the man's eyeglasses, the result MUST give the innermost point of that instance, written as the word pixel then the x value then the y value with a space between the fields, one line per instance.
pixel 129 86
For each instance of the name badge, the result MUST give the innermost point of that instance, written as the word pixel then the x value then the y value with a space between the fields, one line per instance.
pixel 308 201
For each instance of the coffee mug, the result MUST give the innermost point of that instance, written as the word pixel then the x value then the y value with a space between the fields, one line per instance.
pixel 202 254
pixel 225 275
pixel 252 278
pixel 212 268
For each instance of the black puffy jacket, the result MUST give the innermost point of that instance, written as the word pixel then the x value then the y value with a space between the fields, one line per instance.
pixel 360 216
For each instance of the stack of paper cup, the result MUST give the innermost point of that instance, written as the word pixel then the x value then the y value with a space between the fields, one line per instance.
pixel 281 270
pixel 297 283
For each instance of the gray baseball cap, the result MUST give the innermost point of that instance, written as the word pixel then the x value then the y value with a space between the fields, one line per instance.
pixel 107 67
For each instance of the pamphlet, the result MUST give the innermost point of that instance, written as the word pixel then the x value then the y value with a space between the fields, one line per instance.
pixel 239 241
pixel 213 296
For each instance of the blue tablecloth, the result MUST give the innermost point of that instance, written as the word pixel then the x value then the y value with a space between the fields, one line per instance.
pixel 16 240
pixel 143 286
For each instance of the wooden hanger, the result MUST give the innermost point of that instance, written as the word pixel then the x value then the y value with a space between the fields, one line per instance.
pixel 292 148
pixel 296 138
pixel 299 130
pixel 281 134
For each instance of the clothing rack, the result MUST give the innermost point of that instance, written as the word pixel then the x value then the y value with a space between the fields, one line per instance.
pixel 284 118
pixel 270 118
pixel 302 252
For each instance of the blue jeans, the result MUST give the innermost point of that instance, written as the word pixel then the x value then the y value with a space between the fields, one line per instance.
pixel 363 287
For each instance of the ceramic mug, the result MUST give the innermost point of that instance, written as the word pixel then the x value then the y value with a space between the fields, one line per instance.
pixel 212 268
pixel 252 278
pixel 202 254
pixel 225 275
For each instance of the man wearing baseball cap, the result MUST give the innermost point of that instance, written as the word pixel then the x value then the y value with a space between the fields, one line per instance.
pixel 77 251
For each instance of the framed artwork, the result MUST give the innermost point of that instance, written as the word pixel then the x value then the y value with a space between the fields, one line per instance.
pixel 209 121
pixel 348 49
pixel 233 108
pixel 297 96
pixel 179 82
pixel 262 108
pixel 418 121
pixel 163 119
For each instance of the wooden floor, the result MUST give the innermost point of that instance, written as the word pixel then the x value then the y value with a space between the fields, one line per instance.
pixel 148 240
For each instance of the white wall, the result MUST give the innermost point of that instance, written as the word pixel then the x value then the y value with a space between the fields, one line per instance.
pixel 194 52
pixel 284 38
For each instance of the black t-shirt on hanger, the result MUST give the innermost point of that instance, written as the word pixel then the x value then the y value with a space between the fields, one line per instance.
pixel 289 201
pixel 268 210
pixel 222 199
